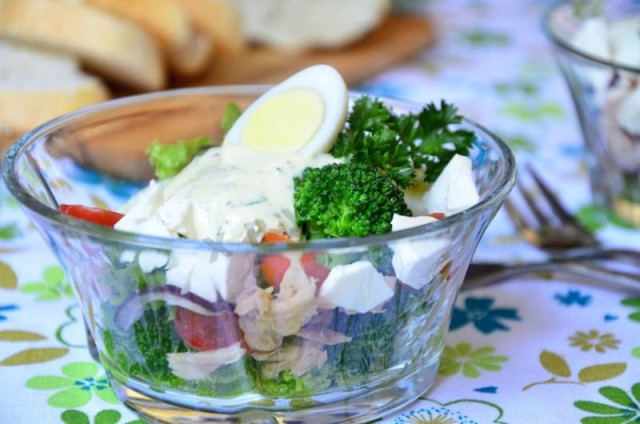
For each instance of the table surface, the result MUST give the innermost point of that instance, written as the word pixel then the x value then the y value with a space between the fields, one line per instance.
pixel 531 350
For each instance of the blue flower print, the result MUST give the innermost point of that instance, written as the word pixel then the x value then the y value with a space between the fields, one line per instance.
pixel 6 308
pixel 434 414
pixel 478 311
pixel 573 297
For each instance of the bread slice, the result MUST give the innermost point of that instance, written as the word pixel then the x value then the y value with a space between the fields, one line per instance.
pixel 165 20
pixel 221 20
pixel 303 24
pixel 187 50
pixel 36 86
pixel 117 49
pixel 192 59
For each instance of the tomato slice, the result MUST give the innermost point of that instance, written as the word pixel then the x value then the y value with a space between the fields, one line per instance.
pixel 273 237
pixel 314 269
pixel 204 332
pixel 98 216
pixel 273 268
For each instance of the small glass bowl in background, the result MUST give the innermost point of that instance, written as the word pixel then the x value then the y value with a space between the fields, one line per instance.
pixel 600 88
pixel 362 364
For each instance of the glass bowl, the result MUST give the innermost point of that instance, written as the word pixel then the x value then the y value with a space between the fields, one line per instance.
pixel 176 356
pixel 602 91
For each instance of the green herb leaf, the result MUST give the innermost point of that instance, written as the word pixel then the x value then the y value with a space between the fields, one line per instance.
pixel 231 114
pixel 169 159
pixel 409 147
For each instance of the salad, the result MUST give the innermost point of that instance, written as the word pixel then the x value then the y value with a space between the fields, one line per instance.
pixel 616 94
pixel 300 163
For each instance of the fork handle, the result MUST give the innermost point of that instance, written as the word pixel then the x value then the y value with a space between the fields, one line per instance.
pixel 630 256
pixel 487 274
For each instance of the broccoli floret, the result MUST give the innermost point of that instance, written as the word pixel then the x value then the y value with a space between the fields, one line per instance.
pixel 369 351
pixel 345 200
pixel 156 337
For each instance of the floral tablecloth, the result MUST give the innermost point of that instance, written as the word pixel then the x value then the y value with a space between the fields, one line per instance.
pixel 528 351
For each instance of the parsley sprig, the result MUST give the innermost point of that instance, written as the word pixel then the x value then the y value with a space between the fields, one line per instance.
pixel 409 147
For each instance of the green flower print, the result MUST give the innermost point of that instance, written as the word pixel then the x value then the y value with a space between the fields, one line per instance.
pixel 633 303
pixel 528 112
pixel 595 218
pixel 483 37
pixel 520 142
pixel 462 356
pixel 9 231
pixel 76 387
pixel 107 416
pixel 594 340
pixel 53 286
pixel 625 410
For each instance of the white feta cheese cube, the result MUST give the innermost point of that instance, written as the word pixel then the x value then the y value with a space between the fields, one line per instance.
pixel 417 262
pixel 591 38
pixel 211 274
pixel 191 273
pixel 127 256
pixel 629 113
pixel 624 41
pixel 150 260
pixel 454 190
pixel 140 214
pixel 355 287
pixel 401 222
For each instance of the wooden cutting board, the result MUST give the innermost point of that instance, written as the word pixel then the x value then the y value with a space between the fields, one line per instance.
pixel 398 38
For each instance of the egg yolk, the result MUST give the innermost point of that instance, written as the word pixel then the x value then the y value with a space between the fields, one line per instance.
pixel 285 122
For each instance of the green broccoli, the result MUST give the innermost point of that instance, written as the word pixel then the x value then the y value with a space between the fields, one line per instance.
pixel 369 351
pixel 345 200
pixel 156 337
pixel 142 351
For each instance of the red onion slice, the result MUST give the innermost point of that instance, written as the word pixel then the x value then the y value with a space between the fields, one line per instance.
pixel 132 309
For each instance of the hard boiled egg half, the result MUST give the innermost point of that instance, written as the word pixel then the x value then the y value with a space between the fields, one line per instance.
pixel 305 113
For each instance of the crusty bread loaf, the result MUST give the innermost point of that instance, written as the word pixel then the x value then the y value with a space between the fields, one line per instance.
pixel 165 20
pixel 187 50
pixel 221 20
pixel 36 86
pixel 301 24
pixel 117 49
pixel 192 59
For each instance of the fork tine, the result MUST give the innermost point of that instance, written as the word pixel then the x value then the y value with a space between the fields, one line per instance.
pixel 562 213
pixel 531 202
pixel 517 217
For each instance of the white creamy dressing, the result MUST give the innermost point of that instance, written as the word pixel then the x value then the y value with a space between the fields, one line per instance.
pixel 222 195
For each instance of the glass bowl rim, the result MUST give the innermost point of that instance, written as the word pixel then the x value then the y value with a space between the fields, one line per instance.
pixel 102 234
pixel 563 44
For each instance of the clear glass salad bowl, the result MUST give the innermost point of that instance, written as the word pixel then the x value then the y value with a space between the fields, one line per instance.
pixel 602 90
pixel 160 345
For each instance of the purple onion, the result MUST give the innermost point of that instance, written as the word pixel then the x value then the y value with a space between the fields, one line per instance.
pixel 132 309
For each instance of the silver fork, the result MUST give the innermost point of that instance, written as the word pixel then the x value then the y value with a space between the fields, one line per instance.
pixel 572 249
pixel 551 227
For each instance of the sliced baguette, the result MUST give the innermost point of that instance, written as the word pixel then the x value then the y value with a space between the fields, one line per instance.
pixel 192 59
pixel 36 86
pixel 221 20
pixel 165 20
pixel 187 50
pixel 107 45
